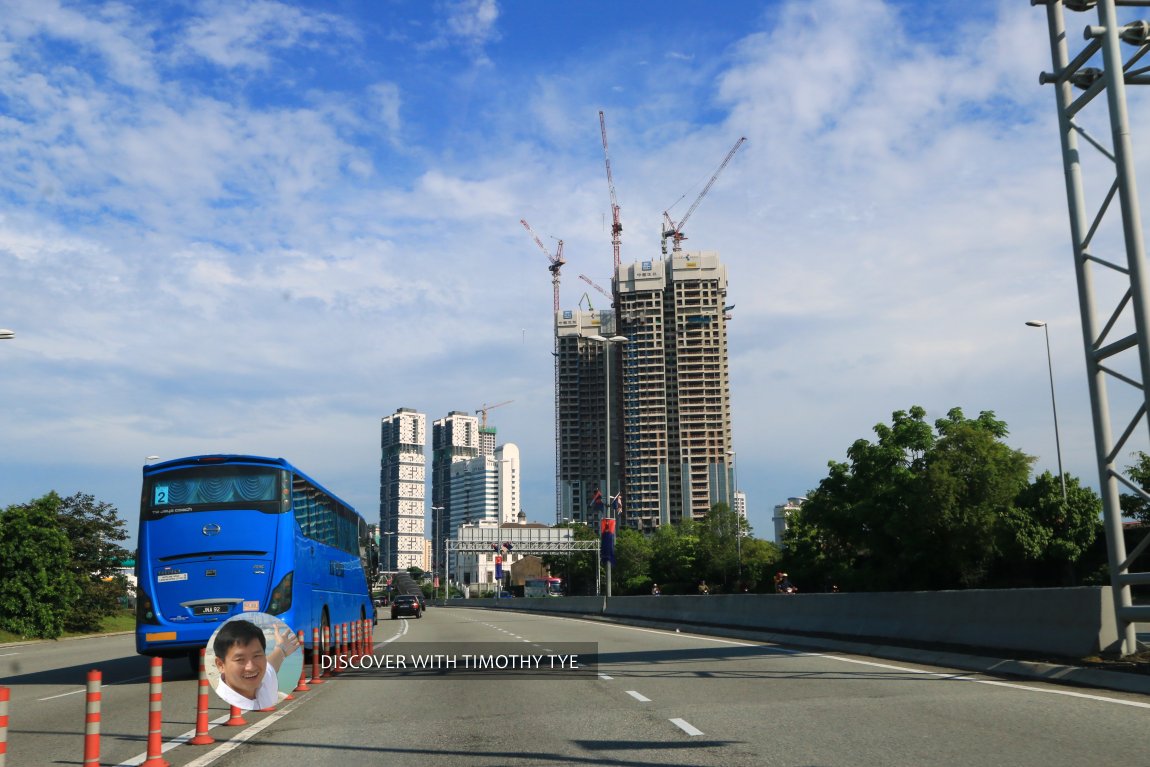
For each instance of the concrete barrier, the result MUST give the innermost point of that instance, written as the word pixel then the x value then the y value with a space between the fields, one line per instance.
pixel 1070 622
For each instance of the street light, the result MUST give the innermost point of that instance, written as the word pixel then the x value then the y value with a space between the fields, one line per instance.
pixel 616 339
pixel 1054 406
pixel 6 334
pixel 738 516
pixel 151 458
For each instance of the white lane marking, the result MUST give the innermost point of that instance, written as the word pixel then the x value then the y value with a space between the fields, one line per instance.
pixel 686 727
pixel 63 694
pixel 400 632
pixel 638 696
pixel 103 684
pixel 6 654
pixel 179 740
pixel 608 678
pixel 945 676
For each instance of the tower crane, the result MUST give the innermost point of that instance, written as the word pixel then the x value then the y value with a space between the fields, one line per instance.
pixel 556 260
pixel 616 224
pixel 675 231
pixel 593 284
pixel 556 264
pixel 485 408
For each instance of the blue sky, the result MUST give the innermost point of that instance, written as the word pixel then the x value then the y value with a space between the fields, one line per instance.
pixel 253 226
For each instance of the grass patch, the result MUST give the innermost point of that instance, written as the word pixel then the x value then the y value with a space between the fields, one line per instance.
pixel 123 620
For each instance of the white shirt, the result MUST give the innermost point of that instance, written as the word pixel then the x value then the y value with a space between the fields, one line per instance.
pixel 266 696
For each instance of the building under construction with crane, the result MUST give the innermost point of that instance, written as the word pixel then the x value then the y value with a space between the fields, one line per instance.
pixel 644 396
pixel 643 408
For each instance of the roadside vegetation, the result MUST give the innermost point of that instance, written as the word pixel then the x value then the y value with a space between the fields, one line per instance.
pixel 59 567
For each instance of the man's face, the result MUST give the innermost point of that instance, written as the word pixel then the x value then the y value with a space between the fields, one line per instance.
pixel 243 667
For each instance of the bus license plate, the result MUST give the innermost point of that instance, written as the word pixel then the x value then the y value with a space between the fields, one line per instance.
pixel 211 609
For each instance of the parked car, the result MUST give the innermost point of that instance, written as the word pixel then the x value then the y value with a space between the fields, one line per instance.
pixel 405 605
pixel 422 601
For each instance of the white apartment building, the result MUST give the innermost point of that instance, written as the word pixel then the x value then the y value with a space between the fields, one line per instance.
pixel 402 479
pixel 484 489
pixel 782 512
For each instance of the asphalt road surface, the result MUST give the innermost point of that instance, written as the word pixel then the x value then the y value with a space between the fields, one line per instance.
pixel 649 697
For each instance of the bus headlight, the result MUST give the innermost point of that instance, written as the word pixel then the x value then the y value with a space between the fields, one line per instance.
pixel 281 596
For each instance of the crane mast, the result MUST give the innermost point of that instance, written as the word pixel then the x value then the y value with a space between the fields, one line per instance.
pixel 556 264
pixel 675 231
pixel 616 224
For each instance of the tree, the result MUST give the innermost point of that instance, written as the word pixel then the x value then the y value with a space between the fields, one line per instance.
pixel 720 547
pixel 632 570
pixel 674 557
pixel 970 483
pixel 1050 534
pixel 852 530
pixel 38 589
pixel 95 531
pixel 760 562
pixel 918 509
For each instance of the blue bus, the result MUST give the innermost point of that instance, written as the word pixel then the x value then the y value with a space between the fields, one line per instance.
pixel 225 534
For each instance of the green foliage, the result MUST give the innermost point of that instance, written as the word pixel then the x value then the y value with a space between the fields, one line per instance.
pixel 720 548
pixel 1049 535
pixel 95 531
pixel 760 561
pixel 675 557
pixel 38 589
pixel 970 483
pixel 580 570
pixel 631 571
pixel 1135 506
pixel 921 508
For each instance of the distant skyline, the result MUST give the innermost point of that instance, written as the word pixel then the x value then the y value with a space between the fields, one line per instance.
pixel 248 226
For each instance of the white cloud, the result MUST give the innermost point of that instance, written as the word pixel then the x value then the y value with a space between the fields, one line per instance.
pixel 249 34
pixel 473 21
pixel 233 262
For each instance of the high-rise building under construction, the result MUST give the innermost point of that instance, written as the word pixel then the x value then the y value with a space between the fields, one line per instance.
pixel 644 408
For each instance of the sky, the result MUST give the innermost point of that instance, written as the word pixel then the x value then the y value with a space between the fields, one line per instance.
pixel 247 226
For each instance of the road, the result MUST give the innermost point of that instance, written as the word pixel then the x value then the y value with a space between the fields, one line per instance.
pixel 655 698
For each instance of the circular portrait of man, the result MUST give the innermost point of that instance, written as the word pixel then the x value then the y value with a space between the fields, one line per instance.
pixel 252 661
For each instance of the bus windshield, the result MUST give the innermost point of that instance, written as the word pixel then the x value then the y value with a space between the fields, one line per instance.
pixel 216 487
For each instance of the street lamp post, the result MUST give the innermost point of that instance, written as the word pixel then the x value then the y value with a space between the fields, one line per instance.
pixel 1053 404
pixel 738 516
pixel 437 515
pixel 6 334
pixel 607 342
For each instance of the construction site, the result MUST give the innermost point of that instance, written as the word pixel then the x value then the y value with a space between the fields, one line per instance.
pixel 642 389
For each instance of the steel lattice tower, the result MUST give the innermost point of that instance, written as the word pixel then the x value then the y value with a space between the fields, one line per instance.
pixel 1115 324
